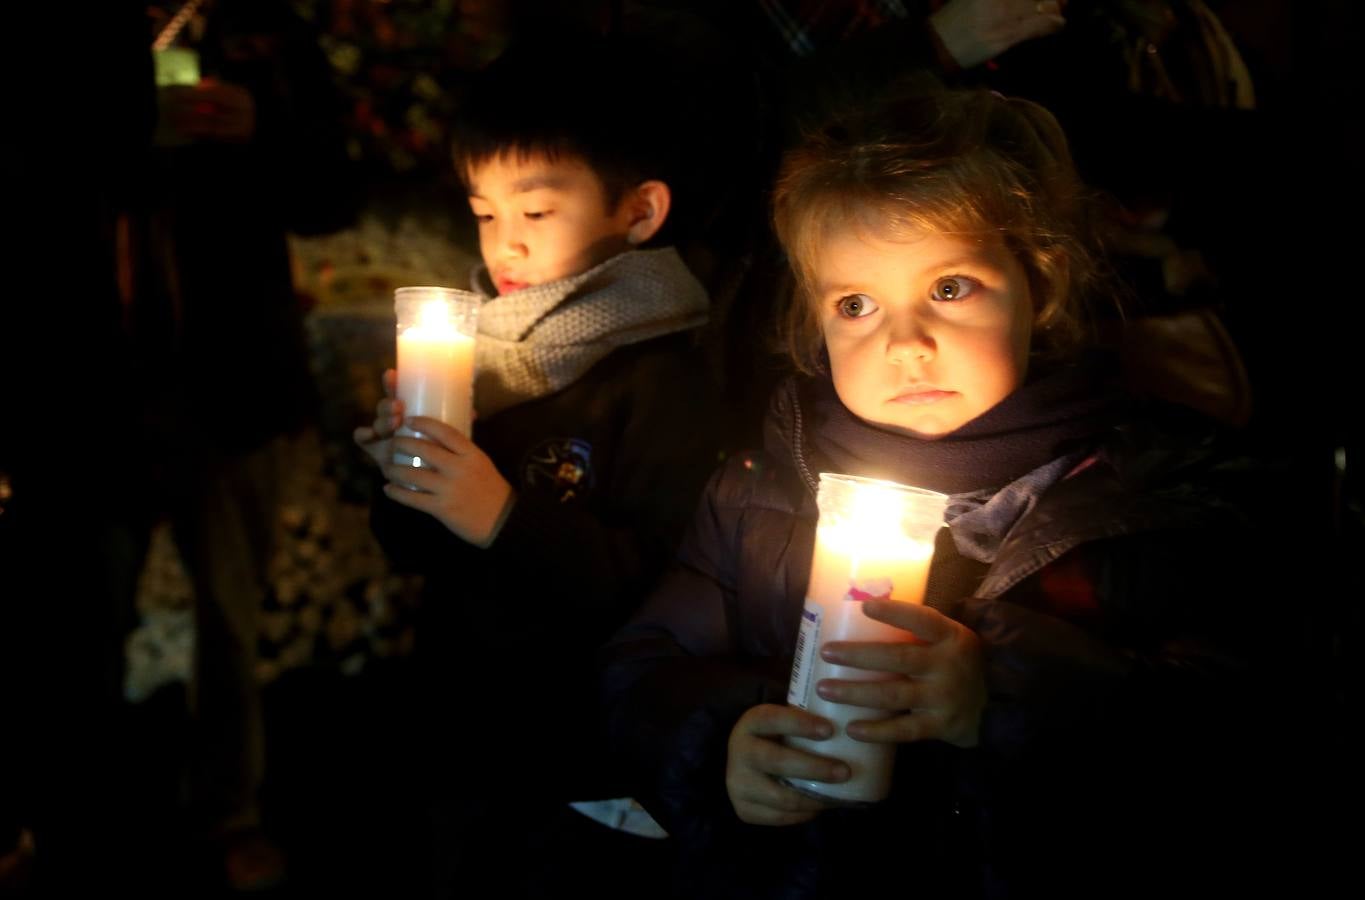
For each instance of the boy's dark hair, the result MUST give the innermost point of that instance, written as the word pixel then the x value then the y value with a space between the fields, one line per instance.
pixel 567 95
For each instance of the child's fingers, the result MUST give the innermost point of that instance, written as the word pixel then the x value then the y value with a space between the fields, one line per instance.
pixel 924 622
pixel 918 726
pixel 432 454
pixel 442 433
pixel 413 478
pixel 388 416
pixel 364 435
pixel 779 761
pixel 898 694
pixel 902 658
pixel 961 728
pixel 424 502
pixel 775 796
pixel 771 720
pixel 759 800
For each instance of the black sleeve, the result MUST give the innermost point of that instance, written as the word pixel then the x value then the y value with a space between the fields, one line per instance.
pixel 674 681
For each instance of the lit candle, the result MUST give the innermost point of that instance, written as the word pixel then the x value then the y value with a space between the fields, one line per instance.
pixel 875 541
pixel 436 328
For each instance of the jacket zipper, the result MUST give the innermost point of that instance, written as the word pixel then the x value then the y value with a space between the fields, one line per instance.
pixel 799 457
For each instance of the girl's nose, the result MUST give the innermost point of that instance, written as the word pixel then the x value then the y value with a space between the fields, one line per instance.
pixel 910 341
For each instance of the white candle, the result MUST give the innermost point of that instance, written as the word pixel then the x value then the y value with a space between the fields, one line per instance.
pixel 874 541
pixel 436 357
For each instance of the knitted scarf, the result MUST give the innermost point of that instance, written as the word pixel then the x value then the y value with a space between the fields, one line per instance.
pixel 542 338
pixel 995 467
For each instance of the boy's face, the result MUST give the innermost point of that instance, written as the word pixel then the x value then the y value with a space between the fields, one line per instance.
pixel 924 335
pixel 541 219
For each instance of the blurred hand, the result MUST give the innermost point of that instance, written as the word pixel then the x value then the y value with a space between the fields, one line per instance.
pixel 757 758
pixel 377 440
pixel 209 111
pixel 457 483
pixel 974 31
pixel 941 693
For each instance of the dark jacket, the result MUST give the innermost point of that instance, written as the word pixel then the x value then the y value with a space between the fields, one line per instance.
pixel 607 474
pixel 1110 626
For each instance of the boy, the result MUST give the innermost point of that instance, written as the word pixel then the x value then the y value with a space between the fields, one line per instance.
pixel 591 444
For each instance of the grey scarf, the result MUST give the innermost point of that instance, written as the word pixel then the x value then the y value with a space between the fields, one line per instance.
pixel 541 339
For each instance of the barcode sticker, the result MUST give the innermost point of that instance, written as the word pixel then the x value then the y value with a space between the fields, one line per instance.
pixel 807 642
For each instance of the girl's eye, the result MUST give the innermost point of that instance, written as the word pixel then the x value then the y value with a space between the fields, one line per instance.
pixel 483 219
pixel 953 288
pixel 537 216
pixel 855 306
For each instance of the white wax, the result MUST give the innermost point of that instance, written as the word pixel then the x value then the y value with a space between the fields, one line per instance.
pixel 885 564
pixel 436 375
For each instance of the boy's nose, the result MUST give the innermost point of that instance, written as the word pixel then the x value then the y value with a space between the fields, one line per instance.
pixel 511 244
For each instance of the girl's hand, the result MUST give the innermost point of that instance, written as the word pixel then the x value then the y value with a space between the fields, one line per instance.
pixel 757 759
pixel 942 688
pixel 376 440
pixel 457 483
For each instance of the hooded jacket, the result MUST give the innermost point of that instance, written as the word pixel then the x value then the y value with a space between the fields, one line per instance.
pixel 1114 634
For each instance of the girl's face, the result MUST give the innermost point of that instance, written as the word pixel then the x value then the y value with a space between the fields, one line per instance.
pixel 923 334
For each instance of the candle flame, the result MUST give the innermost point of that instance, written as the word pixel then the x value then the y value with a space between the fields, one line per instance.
pixel 873 523
pixel 434 315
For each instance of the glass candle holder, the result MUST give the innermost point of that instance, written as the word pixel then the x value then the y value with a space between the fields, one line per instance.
pixel 874 541
pixel 436 334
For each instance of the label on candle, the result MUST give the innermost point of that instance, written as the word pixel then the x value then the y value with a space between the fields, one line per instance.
pixel 807 642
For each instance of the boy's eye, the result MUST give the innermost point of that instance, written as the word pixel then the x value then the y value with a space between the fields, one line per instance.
pixel 855 306
pixel 537 216
pixel 952 288
pixel 483 219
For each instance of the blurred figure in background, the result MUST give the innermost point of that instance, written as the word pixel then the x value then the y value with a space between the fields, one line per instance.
pixel 247 147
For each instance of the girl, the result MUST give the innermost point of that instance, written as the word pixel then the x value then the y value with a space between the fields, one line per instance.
pixel 1069 670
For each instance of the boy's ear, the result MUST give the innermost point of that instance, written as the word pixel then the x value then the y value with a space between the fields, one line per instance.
pixel 648 204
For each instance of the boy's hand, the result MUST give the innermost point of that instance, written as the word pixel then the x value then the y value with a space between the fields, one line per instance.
pixel 376 440
pixel 756 759
pixel 457 483
pixel 942 690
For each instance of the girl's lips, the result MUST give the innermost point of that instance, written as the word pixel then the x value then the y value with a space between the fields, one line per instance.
pixel 921 397
pixel 507 286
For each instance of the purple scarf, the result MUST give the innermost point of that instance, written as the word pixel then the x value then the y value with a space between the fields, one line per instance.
pixel 994 468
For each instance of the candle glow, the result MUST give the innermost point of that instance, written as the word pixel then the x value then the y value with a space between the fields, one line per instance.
pixel 874 541
pixel 436 358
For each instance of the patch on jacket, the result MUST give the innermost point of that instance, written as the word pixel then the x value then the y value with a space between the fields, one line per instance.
pixel 561 467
